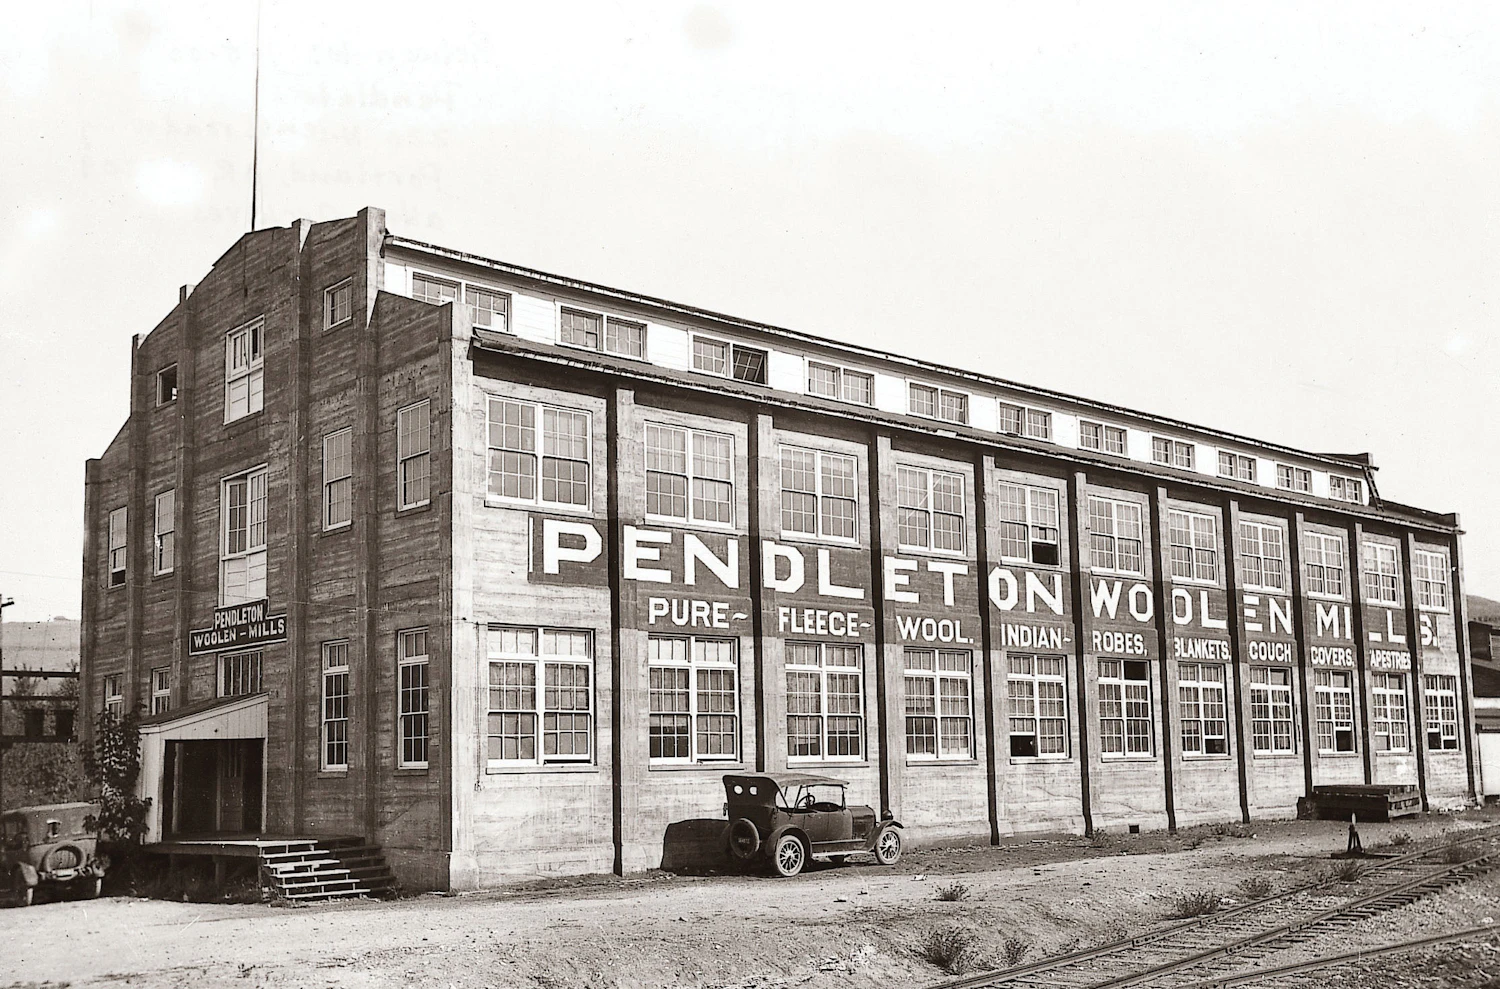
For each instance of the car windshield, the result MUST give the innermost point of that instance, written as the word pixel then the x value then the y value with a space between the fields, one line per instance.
pixel 813 796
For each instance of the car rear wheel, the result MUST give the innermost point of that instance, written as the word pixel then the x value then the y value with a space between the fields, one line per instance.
pixel 743 839
pixel 789 856
pixel 888 847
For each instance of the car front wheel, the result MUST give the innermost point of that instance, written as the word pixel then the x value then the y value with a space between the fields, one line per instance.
pixel 888 847
pixel 789 856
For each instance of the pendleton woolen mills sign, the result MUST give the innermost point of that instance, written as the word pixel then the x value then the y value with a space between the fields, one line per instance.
pixel 238 626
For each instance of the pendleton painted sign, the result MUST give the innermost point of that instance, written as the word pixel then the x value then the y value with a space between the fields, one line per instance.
pixel 238 626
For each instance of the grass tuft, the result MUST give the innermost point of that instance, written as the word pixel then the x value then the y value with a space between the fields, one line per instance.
pixel 1196 903
pixel 1256 887
pixel 1454 854
pixel 1015 951
pixel 953 893
pixel 1347 870
pixel 950 949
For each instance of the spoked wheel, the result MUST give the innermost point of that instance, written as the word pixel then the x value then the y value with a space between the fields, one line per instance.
pixel 888 847
pixel 789 855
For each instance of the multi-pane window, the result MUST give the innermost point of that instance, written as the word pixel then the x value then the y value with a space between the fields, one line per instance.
pixel 818 492
pixel 694 702
pixel 1101 437
pixel 1293 478
pixel 117 547
pixel 1237 466
pixel 1116 536
pixel 541 698
pixel 938 403
pixel 1324 564
pixel 113 690
pixel 244 386
pixel 729 360
pixel 338 479
pixel 1194 541
pixel 166 531
pixel 1029 524
pixel 434 290
pixel 1333 703
pixel 1271 710
pixel 1440 700
pixel 1035 423
pixel 930 509
pixel 1038 707
pixel 338 304
pixel 1200 699
pixel 1125 708
pixel 832 381
pixel 1381 573
pixel 488 309
pixel 1173 453
pixel 242 542
pixel 335 721
pixel 689 475
pixel 939 704
pixel 825 701
pixel 1263 556
pixel 1388 725
pixel 1430 571
pixel 414 455
pixel 161 689
pixel 607 333
pixel 1345 488
pixel 240 674
pixel 520 453
pixel 412 686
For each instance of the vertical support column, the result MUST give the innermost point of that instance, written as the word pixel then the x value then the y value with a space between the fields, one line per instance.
pixel 621 408
pixel 185 501
pixel 1414 646
pixel 459 664
pixel 1237 649
pixel 1356 537
pixel 1295 542
pixel 1077 504
pixel 987 665
pixel 892 722
pixel 137 573
pixel 88 668
pixel 1162 540
pixel 294 754
pixel 1466 677
pixel 762 445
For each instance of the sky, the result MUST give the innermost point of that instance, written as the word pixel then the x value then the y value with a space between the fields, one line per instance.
pixel 1273 219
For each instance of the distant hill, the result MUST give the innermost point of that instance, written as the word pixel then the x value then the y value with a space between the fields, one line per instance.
pixel 1483 609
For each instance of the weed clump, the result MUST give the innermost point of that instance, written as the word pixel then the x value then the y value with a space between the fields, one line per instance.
pixel 1256 887
pixel 950 949
pixel 1015 951
pixel 1347 870
pixel 1197 903
pixel 953 893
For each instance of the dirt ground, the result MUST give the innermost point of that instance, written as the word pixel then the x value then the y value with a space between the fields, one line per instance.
pixel 854 925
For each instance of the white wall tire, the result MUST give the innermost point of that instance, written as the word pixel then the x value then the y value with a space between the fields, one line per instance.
pixel 888 847
pixel 789 856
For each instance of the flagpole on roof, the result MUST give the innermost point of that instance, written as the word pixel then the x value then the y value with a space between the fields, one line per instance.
pixel 255 143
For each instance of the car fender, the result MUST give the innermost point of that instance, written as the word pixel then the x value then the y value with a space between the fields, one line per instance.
pixel 880 828
pixel 769 844
pixel 28 873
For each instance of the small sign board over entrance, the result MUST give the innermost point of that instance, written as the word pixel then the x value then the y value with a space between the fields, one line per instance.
pixel 238 626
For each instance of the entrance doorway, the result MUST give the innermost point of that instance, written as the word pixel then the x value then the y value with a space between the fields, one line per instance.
pixel 213 787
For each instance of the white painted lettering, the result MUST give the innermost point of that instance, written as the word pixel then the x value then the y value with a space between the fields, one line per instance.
pixel 694 552
pixel 635 554
pixel 554 552
pixel 948 570
pixel 896 578
pixel 772 554
pixel 827 587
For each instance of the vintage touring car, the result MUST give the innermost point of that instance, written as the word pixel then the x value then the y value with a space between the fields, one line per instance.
pixel 52 845
pixel 788 818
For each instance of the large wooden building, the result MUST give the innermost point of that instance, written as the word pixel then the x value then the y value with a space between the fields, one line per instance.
pixel 504 570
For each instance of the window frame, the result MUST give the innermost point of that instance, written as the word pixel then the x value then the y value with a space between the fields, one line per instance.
pixel 938 677
pixel 1244 554
pixel 1032 679
pixel 1118 683
pixel 1329 686
pixel 161 689
pixel 406 458
pixel 539 662
pixel 1195 552
pixel 473 309
pixel 1275 694
pixel 818 494
pixel 112 694
pixel 1295 479
pixel 1202 706
pixel 331 318
pixel 841 375
pixel 1377 579
pixel 1031 423
pixel 940 395
pixel 1323 540
pixel 930 511
pixel 1440 709
pixel 335 705
pixel 329 482
pixel 1031 524
pixel 252 373
pixel 691 477
pixel 1179 454
pixel 1384 690
pixel 226 659
pixel 607 322
pixel 823 670
pixel 1236 461
pixel 1342 487
pixel 117 546
pixel 161 378
pixel 732 351
pixel 1434 562
pixel 1102 434
pixel 406 718
pixel 226 557
pixel 1114 535
pixel 455 284
pixel 540 452
pixel 694 664
pixel 164 541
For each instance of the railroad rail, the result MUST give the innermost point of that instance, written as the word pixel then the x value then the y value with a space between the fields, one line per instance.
pixel 1264 975
pixel 1218 946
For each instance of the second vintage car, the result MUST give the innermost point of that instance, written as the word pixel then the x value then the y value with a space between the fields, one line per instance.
pixel 50 845
pixel 789 818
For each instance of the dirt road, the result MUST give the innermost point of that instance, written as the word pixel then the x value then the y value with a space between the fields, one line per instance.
pixel 853 925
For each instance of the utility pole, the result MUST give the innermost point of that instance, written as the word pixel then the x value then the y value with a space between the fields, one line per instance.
pixel 5 602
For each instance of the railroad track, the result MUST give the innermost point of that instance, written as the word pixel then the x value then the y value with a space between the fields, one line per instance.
pixel 1262 976
pixel 1205 951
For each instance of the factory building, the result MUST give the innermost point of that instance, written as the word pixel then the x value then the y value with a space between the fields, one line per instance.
pixel 504 571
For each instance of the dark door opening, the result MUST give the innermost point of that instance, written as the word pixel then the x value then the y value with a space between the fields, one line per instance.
pixel 213 787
